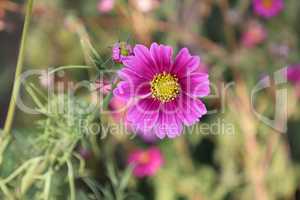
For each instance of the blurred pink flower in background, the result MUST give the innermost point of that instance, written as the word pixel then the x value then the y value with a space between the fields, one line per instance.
pixel 2 25
pixel 267 8
pixel 146 5
pixel 105 6
pixel 85 153
pixel 46 80
pixel 293 74
pixel 99 89
pixel 146 162
pixel 118 109
pixel 120 51
pixel 254 34
pixel 102 86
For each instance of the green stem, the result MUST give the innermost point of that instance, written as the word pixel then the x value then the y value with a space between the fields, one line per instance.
pixel 71 180
pixel 6 192
pixel 47 187
pixel 69 67
pixel 19 68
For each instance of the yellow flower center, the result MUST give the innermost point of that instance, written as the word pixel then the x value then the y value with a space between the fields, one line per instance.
pixel 267 3
pixel 165 87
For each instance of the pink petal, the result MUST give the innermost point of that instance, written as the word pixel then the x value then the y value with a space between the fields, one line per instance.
pixel 126 90
pixel 196 85
pixel 137 64
pixel 143 57
pixel 190 109
pixel 127 73
pixel 144 114
pixel 168 123
pixel 185 63
pixel 162 57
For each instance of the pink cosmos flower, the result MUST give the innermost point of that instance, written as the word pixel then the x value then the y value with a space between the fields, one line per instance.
pixel 255 34
pixel 162 93
pixel 120 51
pixel 146 162
pixel 267 8
pixel 293 74
pixel 105 6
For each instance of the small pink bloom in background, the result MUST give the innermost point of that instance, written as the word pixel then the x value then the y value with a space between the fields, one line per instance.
pixel 2 25
pixel 46 80
pixel 146 162
pixel 164 91
pixel 120 51
pixel 103 87
pixel 254 34
pixel 267 8
pixel 85 153
pixel 117 107
pixel 99 89
pixel 146 5
pixel 105 6
pixel 2 13
pixel 293 74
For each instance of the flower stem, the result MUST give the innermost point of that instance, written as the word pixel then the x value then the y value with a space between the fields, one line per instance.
pixel 71 180
pixel 19 68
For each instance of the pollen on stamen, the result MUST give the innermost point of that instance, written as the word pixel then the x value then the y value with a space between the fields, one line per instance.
pixel 165 87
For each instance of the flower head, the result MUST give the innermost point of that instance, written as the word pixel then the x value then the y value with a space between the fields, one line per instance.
pixel 293 74
pixel 254 34
pixel 120 51
pixel 267 8
pixel 162 92
pixel 146 162
pixel 105 6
